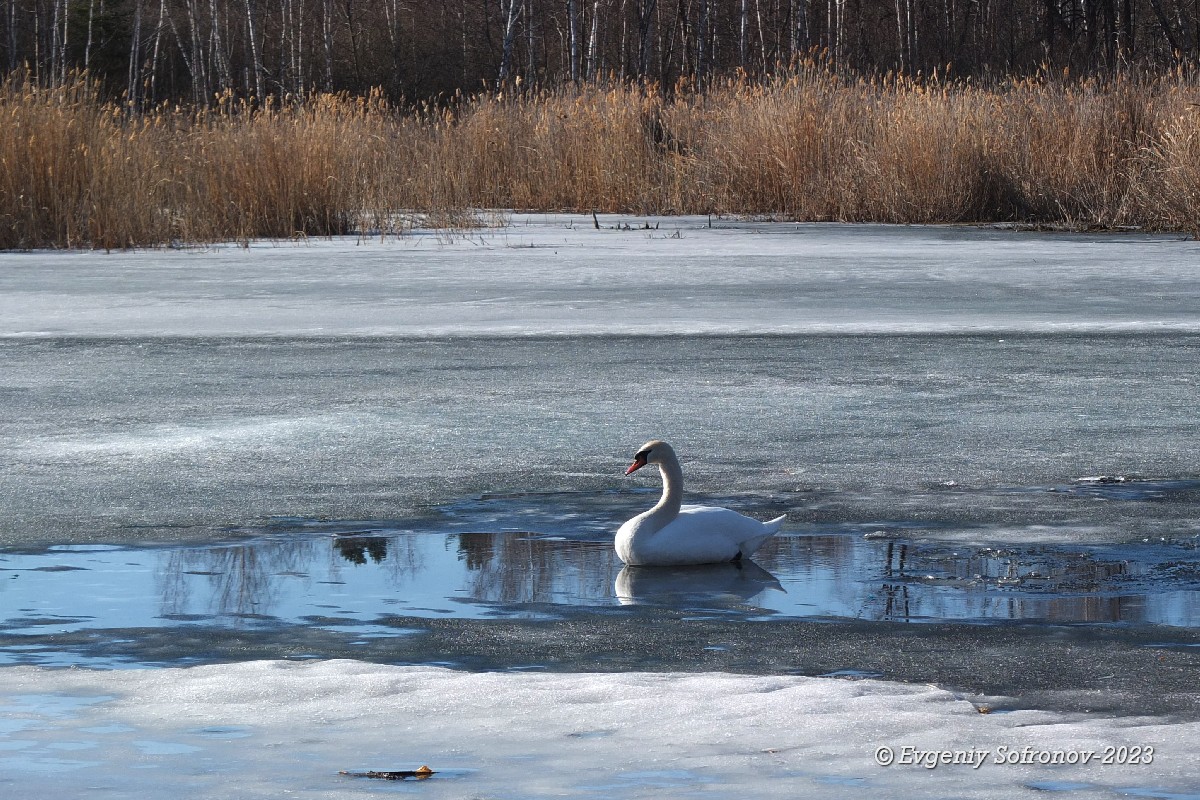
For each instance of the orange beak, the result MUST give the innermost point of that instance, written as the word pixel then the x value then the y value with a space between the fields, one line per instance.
pixel 638 463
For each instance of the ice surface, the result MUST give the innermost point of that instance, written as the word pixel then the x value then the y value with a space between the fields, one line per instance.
pixel 115 439
pixel 275 729
pixel 956 392
pixel 557 275
pixel 167 394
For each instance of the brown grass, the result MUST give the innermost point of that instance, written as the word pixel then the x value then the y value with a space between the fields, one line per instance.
pixel 79 172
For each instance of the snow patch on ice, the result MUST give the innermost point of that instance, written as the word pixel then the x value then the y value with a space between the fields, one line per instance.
pixel 539 734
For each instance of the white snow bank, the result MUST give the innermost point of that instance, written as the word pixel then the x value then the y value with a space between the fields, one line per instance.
pixel 285 729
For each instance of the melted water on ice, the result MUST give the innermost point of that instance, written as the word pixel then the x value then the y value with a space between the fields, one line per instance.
pixel 549 556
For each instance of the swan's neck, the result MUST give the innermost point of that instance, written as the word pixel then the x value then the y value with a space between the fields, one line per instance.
pixel 672 496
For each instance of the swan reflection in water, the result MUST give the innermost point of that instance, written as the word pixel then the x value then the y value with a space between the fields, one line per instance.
pixel 296 572
pixel 684 586
pixel 526 569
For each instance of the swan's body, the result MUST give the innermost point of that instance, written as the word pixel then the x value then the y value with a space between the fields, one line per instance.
pixel 672 534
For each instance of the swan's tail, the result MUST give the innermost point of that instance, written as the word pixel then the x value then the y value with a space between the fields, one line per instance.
pixel 751 545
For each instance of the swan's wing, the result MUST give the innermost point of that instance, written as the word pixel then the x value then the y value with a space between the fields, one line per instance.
pixel 768 529
pixel 750 534
pixel 705 535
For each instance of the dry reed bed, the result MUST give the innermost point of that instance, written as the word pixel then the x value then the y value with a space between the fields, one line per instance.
pixel 79 172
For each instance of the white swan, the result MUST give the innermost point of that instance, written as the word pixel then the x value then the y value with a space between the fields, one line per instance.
pixel 672 534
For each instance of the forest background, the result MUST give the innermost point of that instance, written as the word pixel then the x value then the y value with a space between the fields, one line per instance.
pixel 134 122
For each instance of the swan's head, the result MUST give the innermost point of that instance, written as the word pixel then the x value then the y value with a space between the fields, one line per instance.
pixel 652 452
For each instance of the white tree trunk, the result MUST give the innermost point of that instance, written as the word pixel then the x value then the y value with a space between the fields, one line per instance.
pixel 87 46
pixel 158 30
pixel 592 55
pixel 255 57
pixel 512 10
pixel 135 55
pixel 573 38
pixel 327 41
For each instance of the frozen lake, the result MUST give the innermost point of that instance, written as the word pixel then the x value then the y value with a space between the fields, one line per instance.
pixel 391 458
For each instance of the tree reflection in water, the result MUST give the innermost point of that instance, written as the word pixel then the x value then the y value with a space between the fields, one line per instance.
pixel 879 576
pixel 399 554
pixel 241 578
pixel 895 595
pixel 476 550
pixel 525 568
pixel 842 573
pixel 356 549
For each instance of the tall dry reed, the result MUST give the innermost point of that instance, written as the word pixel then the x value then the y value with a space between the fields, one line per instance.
pixel 78 172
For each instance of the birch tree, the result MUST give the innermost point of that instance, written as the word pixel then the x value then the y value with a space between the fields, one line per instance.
pixel 511 10
pixel 573 38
